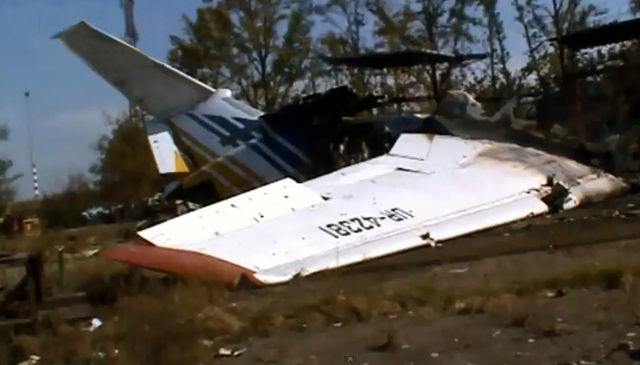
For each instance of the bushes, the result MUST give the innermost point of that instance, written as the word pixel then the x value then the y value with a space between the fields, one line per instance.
pixel 64 209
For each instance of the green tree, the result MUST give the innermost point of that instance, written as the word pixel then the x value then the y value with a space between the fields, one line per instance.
pixel 126 171
pixel 348 19
pixel 64 209
pixel 498 54
pixel 634 6
pixel 258 48
pixel 529 14
pixel 567 16
pixel 438 25
pixel 7 191
pixel 555 19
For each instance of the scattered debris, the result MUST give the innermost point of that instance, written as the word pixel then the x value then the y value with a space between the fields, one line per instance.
pixel 531 340
pixel 93 325
pixel 32 360
pixel 554 293
pixel 434 354
pixel 459 271
pixel 90 252
pixel 338 324
pixel 461 307
pixel 207 343
pixel 631 334
pixel 617 214
pixel 496 333
pixel 231 351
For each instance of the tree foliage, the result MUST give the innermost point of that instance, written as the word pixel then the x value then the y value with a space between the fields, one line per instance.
pixel 346 37
pixel 448 26
pixel 7 190
pixel 64 209
pixel 550 61
pixel 126 171
pixel 260 49
pixel 634 6
pixel 498 53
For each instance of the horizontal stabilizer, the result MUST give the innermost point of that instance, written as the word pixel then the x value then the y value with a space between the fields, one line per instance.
pixel 429 189
pixel 157 88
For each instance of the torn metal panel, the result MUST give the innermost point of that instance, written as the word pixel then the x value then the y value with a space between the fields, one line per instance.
pixel 430 188
pixel 406 58
pixel 602 35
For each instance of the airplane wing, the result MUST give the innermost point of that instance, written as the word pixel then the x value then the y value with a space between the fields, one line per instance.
pixel 428 189
pixel 159 89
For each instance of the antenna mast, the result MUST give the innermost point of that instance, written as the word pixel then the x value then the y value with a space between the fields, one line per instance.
pixel 34 171
pixel 130 32
pixel 130 36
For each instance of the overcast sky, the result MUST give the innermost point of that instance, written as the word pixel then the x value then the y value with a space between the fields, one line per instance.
pixel 68 101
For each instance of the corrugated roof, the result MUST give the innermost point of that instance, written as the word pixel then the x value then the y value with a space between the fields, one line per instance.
pixel 602 35
pixel 406 58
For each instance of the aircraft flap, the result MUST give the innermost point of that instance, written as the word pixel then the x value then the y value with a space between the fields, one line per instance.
pixel 157 88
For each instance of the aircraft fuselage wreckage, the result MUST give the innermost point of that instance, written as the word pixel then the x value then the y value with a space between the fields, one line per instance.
pixel 276 222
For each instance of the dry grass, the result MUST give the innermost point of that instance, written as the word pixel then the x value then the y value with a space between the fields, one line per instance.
pixel 163 320
pixel 153 321
pixel 73 240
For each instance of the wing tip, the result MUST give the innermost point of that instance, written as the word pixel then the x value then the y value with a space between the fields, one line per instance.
pixel 62 33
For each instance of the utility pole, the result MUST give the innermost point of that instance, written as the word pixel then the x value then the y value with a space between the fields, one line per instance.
pixel 34 171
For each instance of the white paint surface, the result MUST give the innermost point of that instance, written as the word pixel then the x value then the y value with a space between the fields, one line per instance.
pixel 445 186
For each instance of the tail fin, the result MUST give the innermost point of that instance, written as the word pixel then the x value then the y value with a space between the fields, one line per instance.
pixel 156 87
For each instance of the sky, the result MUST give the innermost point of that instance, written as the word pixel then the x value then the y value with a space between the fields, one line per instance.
pixel 68 102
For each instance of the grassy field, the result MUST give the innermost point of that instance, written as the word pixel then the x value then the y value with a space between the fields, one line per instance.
pixel 378 313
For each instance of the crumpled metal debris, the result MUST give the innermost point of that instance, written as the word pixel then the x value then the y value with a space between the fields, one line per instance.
pixel 32 360
pixel 93 325
pixel 459 271
pixel 231 351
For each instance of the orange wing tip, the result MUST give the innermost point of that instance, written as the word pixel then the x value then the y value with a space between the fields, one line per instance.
pixel 182 263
